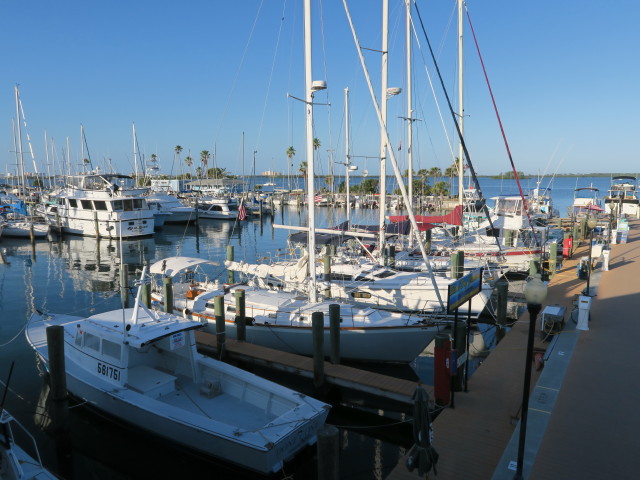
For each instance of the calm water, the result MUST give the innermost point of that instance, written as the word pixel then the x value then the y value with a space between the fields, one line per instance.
pixel 80 276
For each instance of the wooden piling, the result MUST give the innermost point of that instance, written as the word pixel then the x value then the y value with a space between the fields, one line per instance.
pixel 231 277
pixel 168 294
pixel 392 256
pixel 218 309
pixel 328 450
pixel 96 224
pixel 427 241
pixel 317 325
pixel 334 332
pixel 146 294
pixel 57 371
pixel 241 319
pixel 502 290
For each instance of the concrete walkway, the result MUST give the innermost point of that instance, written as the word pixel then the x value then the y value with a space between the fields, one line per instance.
pixel 582 422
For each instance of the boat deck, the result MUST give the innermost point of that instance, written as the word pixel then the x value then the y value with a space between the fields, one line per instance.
pixel 224 408
pixel 582 421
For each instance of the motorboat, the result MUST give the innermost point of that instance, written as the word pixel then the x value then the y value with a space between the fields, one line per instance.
pixel 15 462
pixel 142 367
pixel 174 210
pixel 101 205
pixel 622 198
pixel 282 320
pixel 586 201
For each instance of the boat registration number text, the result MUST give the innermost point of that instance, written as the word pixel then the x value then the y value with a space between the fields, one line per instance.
pixel 108 371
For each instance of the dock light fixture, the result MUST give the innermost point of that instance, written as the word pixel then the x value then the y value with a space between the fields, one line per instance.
pixel 591 223
pixel 535 292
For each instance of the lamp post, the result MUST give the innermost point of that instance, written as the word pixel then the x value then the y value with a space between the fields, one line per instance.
pixel 591 223
pixel 535 291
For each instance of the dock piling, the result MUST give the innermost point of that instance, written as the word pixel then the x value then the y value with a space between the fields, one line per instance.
pixel 317 324
pixel 328 449
pixel 218 309
pixel 168 294
pixel 334 332
pixel 232 277
pixel 241 326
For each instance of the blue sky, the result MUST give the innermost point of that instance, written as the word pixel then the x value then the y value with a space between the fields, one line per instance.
pixel 205 74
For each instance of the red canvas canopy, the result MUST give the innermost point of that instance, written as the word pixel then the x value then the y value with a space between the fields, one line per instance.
pixel 425 222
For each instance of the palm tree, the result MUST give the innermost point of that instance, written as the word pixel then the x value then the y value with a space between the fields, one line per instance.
pixel 303 168
pixel 204 158
pixel 423 173
pixel 435 172
pixel 189 161
pixel 177 150
pixel 291 152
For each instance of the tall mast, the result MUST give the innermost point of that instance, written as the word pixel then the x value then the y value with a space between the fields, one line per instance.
pixel 135 153
pixel 346 152
pixel 409 111
pixel 23 182
pixel 311 244
pixel 460 106
pixel 383 143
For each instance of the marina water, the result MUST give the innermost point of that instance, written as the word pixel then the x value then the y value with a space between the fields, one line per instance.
pixel 80 276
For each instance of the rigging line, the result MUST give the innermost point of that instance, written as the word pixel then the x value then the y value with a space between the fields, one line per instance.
pixel 86 145
pixel 273 67
pixel 324 66
pixel 424 63
pixel 504 137
pixel 485 209
pixel 26 131
pixel 235 78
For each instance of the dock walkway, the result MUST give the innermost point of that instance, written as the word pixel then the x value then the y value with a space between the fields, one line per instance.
pixel 582 421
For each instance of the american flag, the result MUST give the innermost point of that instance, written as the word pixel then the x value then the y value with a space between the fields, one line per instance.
pixel 318 198
pixel 242 212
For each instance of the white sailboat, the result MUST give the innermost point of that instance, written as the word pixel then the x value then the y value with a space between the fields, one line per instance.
pixel 16 219
pixel 282 320
pixel 142 366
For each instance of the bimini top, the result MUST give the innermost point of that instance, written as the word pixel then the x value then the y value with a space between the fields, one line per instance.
pixel 169 267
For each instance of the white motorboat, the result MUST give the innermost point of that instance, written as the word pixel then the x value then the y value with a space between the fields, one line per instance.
pixel 168 204
pixel 142 366
pixel 15 462
pixel 101 205
pixel 217 208
pixel 622 197
pixel 586 201
pixel 282 320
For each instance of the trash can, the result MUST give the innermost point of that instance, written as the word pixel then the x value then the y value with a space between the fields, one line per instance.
pixel 606 254
pixel 584 305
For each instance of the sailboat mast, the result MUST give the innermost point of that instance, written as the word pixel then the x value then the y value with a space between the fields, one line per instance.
pixel 135 153
pixel 346 159
pixel 23 182
pixel 311 244
pixel 383 143
pixel 409 111
pixel 460 105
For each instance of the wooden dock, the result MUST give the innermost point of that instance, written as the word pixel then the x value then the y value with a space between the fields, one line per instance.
pixel 363 381
pixel 582 421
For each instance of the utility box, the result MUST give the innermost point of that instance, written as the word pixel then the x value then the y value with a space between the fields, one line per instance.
pixel 584 305
pixel 552 319
pixel 606 255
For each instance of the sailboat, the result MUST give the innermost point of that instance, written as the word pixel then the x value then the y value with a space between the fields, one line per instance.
pixel 283 319
pixel 15 217
pixel 143 367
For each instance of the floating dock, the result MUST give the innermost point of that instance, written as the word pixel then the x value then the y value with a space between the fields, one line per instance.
pixel 385 387
pixel 582 420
